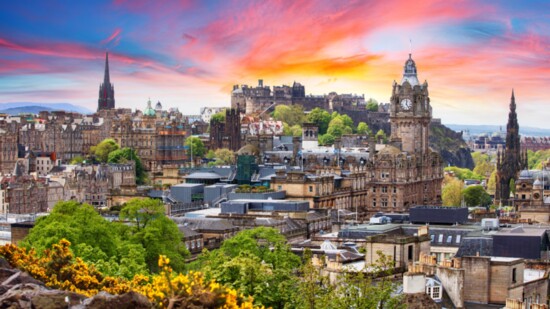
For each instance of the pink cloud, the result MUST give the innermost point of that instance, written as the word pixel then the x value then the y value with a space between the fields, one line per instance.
pixel 114 36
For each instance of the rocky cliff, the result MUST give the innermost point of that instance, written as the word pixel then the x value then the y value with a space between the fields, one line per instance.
pixel 451 146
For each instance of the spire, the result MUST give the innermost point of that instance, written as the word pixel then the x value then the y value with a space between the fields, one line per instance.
pixel 106 79
pixel 409 72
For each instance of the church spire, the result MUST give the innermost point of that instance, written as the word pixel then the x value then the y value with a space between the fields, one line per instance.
pixel 106 89
pixel 106 78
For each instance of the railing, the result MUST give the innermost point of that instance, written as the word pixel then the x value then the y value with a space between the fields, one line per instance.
pixel 180 208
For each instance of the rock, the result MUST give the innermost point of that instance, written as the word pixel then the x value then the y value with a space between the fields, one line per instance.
pixel 35 296
pixel 130 300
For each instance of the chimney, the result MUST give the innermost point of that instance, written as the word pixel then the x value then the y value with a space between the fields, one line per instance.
pixel 414 283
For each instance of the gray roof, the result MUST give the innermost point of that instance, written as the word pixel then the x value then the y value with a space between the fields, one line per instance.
pixel 203 175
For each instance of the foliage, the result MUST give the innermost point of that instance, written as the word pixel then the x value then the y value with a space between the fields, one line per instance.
pixel 103 149
pixel 326 139
pixel 381 135
pixel 353 290
pixel 221 156
pixel 295 130
pixel 452 191
pixel 77 160
pixel 492 183
pixel 252 189
pixel 538 158
pixel 218 117
pixel 476 196
pixel 337 127
pixel 363 128
pixel 483 165
pixel 155 232
pixel 463 173
pixel 58 269
pixel 321 118
pixel 128 154
pixel 372 105
pixel 196 145
pixel 258 262
pixel 290 114
pixel 512 186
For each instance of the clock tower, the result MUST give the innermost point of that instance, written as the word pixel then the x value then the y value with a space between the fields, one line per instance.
pixel 410 111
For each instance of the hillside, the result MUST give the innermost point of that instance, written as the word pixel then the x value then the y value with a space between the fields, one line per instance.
pixel 15 108
pixel 451 146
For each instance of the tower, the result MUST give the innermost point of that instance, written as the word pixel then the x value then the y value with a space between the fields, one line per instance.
pixel 410 111
pixel 106 90
pixel 512 160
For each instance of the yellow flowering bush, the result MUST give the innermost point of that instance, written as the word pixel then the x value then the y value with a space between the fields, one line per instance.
pixel 58 269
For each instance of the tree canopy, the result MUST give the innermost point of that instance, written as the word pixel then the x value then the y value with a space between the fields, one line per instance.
pixel 476 196
pixel 289 114
pixel 218 117
pixel 372 105
pixel 452 191
pixel 463 173
pixel 103 149
pixel 128 154
pixel 321 118
pixel 363 128
pixel 196 145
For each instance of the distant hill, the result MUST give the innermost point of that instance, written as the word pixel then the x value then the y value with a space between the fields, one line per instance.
pixel 478 129
pixel 15 108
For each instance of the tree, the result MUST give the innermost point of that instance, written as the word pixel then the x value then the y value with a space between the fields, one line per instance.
pixel 372 105
pixel 104 148
pixel 321 118
pixel 77 160
pixel 492 183
pixel 94 239
pixel 381 135
pixel 476 196
pixel 258 262
pixel 155 232
pixel 463 173
pixel 291 114
pixel 326 139
pixel 196 145
pixel 452 191
pixel 337 127
pixel 484 168
pixel 218 117
pixel 221 156
pixel 295 130
pixel 363 128
pixel 125 155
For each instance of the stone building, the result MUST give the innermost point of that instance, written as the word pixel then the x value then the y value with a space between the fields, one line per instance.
pixel 535 143
pixel 532 196
pixel 8 147
pixel 226 134
pixel 390 178
pixel 512 160
pixel 24 194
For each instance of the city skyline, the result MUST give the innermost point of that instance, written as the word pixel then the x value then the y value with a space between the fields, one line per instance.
pixel 189 54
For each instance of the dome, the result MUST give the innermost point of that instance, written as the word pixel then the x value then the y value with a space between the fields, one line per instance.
pixel 158 107
pixel 525 174
pixel 409 72
pixel 537 183
pixel 149 111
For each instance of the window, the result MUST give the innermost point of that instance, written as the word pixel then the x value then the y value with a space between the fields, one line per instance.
pixel 394 204
pixel 394 189
pixel 513 275
pixel 279 188
pixel 449 239
pixel 384 203
pixel 457 239
pixel 410 253
pixel 432 237
pixel 384 189
pixel 373 189
pixel 310 188
pixel 523 196
pixel 440 238
pixel 373 202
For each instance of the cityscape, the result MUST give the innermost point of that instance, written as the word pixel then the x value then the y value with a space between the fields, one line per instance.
pixel 275 154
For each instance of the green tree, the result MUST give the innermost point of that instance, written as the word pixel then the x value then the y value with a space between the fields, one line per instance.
pixel 381 135
pixel 484 168
pixel 196 145
pixel 295 130
pixel 222 156
pixel 463 173
pixel 155 232
pixel 363 128
pixel 125 155
pixel 326 139
pixel 94 239
pixel 290 114
pixel 452 191
pixel 218 117
pixel 492 183
pixel 372 105
pixel 536 159
pixel 476 196
pixel 256 261
pixel 337 127
pixel 77 160
pixel 321 118
pixel 104 148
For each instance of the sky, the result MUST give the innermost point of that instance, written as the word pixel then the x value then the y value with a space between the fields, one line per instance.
pixel 189 53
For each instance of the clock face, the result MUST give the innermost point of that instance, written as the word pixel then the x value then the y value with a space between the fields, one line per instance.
pixel 406 104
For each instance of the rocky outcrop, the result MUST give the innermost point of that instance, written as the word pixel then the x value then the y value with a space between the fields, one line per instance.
pixel 451 146
pixel 18 290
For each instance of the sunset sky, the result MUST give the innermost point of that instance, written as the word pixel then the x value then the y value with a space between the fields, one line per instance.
pixel 188 54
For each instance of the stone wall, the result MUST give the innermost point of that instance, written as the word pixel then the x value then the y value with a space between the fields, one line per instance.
pixel 452 280
pixel 477 279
